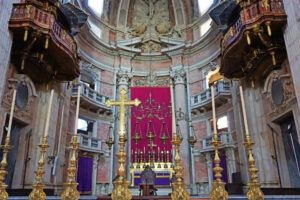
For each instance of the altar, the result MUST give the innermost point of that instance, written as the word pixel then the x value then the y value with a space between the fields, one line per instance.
pixel 164 173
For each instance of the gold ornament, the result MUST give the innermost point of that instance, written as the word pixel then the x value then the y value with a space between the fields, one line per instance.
pixel 179 191
pixel 70 187
pixel 121 191
pixel 3 171
pixel 38 186
pixel 254 191
pixel 218 191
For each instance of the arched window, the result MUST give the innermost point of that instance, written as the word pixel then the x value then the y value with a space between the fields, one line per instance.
pixel 96 6
pixel 204 5
pixel 204 28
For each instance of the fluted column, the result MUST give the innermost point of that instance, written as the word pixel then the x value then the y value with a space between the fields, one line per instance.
pixel 231 163
pixel 209 170
pixel 179 80
pixel 94 176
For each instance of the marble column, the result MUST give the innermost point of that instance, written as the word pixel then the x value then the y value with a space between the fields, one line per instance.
pixel 292 42
pixel 94 176
pixel 231 163
pixel 179 80
pixel 209 165
pixel 123 81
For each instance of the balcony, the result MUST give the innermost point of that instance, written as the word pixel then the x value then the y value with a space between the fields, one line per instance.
pixel 253 43
pixel 43 45
pixel 90 144
pixel 226 142
pixel 91 100
pixel 202 101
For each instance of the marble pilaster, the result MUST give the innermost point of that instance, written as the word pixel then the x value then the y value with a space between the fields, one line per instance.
pixel 179 79
pixel 209 165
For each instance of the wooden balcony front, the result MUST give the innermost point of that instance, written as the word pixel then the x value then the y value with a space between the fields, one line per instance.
pixel 254 44
pixel 43 46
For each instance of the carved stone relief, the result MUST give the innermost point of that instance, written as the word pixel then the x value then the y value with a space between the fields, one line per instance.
pixel 151 80
pixel 23 111
pixel 275 84
pixel 151 19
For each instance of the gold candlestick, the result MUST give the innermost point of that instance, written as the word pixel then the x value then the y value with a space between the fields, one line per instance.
pixel 254 190
pixel 121 191
pixel 218 191
pixel 38 186
pixel 179 191
pixel 70 187
pixel 5 149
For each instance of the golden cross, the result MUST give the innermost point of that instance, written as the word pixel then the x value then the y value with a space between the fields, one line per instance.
pixel 123 102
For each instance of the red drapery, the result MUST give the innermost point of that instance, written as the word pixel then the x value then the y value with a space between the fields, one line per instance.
pixel 153 112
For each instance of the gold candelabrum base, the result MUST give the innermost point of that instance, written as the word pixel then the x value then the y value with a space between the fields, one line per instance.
pixel 38 186
pixel 179 191
pixel 70 187
pixel 121 191
pixel 218 191
pixel 3 169
pixel 254 190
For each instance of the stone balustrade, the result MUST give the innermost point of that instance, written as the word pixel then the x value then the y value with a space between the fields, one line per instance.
pixel 203 100
pixel 91 97
pixel 89 143
pixel 224 137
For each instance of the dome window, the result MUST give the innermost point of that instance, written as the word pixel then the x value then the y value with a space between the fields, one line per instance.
pixel 204 5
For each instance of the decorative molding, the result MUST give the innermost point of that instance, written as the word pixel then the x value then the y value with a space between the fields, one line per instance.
pixel 25 114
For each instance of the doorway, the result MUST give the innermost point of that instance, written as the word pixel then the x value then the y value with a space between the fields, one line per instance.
pixel 292 150
pixel 12 155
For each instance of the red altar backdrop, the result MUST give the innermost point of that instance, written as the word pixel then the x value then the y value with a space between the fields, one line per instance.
pixel 152 115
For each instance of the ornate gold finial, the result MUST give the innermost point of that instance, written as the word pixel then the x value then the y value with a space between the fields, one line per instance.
pixel 38 186
pixel 121 191
pixel 70 187
pixel 179 191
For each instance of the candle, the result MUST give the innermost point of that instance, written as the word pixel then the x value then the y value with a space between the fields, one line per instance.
pixel 213 108
pixel 173 108
pixel 158 152
pixel 46 131
pixel 244 111
pixel 77 109
pixel 11 113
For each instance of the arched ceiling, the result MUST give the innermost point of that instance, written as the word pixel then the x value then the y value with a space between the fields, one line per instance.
pixel 119 12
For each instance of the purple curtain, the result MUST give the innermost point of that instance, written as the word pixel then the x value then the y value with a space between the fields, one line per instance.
pixel 84 175
pixel 224 166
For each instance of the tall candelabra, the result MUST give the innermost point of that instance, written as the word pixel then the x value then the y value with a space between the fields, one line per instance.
pixel 179 191
pixel 5 149
pixel 218 191
pixel 121 191
pixel 254 191
pixel 70 186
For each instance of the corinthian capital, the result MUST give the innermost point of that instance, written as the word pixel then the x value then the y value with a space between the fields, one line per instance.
pixel 123 77
pixel 178 76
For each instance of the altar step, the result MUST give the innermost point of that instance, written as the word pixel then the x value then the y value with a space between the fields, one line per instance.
pixel 267 197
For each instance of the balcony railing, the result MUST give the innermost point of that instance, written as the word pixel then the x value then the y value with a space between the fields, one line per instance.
pixel 224 137
pixel 221 88
pixel 91 96
pixel 251 14
pixel 89 143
